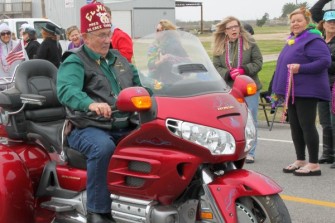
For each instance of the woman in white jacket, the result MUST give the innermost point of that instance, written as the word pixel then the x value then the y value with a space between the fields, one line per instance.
pixel 7 44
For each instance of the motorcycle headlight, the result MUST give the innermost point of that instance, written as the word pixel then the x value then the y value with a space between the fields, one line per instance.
pixel 250 133
pixel 217 141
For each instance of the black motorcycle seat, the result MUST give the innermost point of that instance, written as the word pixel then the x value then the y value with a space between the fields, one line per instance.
pixel 44 123
pixel 47 133
pixel 75 158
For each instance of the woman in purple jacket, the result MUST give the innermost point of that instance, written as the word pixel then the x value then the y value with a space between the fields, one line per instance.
pixel 73 34
pixel 306 58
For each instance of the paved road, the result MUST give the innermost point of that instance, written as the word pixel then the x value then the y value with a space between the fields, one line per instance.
pixel 309 199
pixel 270 57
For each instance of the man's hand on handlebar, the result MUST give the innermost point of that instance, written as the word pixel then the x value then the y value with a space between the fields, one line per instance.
pixel 102 109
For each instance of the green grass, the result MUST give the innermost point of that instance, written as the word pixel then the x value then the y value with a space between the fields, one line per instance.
pixel 266 73
pixel 208 48
pixel 265 76
pixel 270 46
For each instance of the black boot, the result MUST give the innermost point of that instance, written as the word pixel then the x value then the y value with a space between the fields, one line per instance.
pixel 328 152
pixel 326 159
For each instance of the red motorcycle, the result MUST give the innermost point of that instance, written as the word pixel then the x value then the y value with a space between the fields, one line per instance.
pixel 182 163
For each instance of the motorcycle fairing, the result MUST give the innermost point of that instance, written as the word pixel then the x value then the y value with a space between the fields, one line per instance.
pixel 151 173
pixel 218 110
pixel 16 191
pixel 239 183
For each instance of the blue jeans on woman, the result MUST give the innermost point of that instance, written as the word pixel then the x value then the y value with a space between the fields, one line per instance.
pixel 98 146
pixel 252 102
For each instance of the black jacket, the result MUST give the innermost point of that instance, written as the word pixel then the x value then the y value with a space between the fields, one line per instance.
pixel 98 88
pixel 331 69
pixel 32 48
pixel 317 15
pixel 50 50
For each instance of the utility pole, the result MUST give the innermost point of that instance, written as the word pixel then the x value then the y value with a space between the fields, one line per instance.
pixel 43 9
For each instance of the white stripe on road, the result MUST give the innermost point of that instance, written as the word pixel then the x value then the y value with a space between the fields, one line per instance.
pixel 275 140
pixel 278 140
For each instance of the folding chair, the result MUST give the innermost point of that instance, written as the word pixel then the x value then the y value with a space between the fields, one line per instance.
pixel 274 116
pixel 265 105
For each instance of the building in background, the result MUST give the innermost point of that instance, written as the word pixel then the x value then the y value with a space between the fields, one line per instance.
pixel 15 8
pixel 136 17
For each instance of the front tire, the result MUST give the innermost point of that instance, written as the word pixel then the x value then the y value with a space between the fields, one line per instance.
pixel 262 209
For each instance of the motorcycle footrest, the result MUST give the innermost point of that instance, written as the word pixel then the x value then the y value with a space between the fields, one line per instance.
pixel 56 206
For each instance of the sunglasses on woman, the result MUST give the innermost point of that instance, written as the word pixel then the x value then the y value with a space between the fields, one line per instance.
pixel 5 33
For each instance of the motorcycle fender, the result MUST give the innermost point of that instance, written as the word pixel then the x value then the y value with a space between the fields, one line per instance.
pixel 239 183
pixel 16 191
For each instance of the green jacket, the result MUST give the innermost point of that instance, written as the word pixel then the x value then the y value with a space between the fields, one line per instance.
pixel 71 79
pixel 84 77
pixel 252 63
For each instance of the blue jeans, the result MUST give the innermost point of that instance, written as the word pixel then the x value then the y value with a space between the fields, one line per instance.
pixel 252 102
pixel 98 146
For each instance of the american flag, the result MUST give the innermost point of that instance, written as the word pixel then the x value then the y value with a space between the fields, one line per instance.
pixel 15 54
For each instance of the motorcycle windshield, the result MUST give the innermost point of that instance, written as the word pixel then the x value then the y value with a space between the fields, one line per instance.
pixel 175 63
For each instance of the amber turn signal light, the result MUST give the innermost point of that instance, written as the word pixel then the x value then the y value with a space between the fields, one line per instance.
pixel 142 102
pixel 251 88
pixel 206 215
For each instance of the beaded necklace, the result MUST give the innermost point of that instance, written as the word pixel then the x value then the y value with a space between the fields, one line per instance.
pixel 289 89
pixel 292 39
pixel 239 54
pixel 5 66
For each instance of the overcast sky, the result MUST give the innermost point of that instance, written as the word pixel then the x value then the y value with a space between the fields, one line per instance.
pixel 242 9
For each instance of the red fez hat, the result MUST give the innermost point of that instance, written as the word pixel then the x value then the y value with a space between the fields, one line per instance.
pixel 93 17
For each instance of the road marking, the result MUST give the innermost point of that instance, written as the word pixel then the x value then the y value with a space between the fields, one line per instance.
pixel 275 140
pixel 308 201
pixel 279 140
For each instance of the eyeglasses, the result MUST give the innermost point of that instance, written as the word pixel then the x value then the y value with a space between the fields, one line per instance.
pixel 103 36
pixel 5 33
pixel 232 27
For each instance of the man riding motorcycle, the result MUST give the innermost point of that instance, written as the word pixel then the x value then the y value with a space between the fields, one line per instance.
pixel 89 79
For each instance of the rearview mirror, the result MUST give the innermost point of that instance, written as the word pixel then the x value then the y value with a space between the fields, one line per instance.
pixel 134 99
pixel 243 86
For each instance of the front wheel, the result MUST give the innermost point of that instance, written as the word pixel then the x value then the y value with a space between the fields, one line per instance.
pixel 262 209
